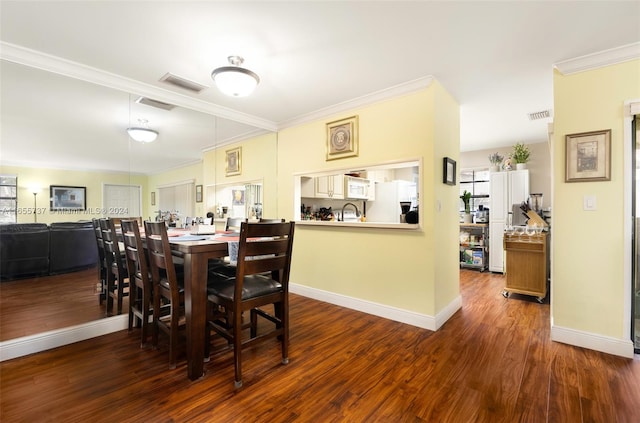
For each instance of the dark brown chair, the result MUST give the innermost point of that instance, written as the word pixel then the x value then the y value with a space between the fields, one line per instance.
pixel 102 261
pixel 262 279
pixel 267 220
pixel 168 288
pixel 117 275
pixel 140 288
pixel 233 224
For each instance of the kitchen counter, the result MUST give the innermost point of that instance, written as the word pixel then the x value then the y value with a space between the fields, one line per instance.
pixel 367 225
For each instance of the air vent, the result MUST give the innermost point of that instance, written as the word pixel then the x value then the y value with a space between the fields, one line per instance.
pixel 155 103
pixel 185 84
pixel 540 115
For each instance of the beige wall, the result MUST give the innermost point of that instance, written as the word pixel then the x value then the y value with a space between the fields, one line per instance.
pixel 539 166
pixel 182 174
pixel 43 178
pixel 408 270
pixel 588 291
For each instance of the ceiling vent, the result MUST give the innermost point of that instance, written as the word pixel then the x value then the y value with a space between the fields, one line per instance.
pixel 185 84
pixel 540 115
pixel 155 103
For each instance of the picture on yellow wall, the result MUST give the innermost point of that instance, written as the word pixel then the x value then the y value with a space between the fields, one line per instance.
pixel 233 161
pixel 588 156
pixel 342 138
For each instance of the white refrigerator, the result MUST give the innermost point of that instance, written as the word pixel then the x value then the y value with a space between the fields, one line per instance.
pixel 386 206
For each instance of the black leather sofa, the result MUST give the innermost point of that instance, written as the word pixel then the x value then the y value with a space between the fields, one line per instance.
pixel 35 249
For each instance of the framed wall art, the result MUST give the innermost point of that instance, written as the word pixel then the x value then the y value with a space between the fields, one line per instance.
pixel 342 138
pixel 198 193
pixel 588 156
pixel 233 162
pixel 153 198
pixel 67 198
pixel 448 171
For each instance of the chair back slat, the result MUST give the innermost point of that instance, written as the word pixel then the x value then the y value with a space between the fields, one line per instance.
pixel 160 258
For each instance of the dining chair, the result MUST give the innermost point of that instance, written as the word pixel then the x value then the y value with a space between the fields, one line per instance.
pixel 233 224
pixel 140 288
pixel 117 275
pixel 261 279
pixel 268 220
pixel 102 263
pixel 168 289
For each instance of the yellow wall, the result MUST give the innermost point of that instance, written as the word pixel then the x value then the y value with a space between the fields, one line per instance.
pixel 43 178
pixel 392 267
pixel 259 162
pixel 587 280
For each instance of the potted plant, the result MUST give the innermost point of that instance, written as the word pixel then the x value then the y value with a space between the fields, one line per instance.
pixel 520 155
pixel 496 160
pixel 466 198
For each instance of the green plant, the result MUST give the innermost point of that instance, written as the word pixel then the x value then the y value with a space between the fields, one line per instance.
pixel 496 159
pixel 520 153
pixel 466 198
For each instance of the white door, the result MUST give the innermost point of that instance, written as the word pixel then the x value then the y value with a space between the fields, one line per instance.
pixel 122 201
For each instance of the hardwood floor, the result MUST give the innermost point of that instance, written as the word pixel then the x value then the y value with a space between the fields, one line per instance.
pixel 492 361
pixel 35 305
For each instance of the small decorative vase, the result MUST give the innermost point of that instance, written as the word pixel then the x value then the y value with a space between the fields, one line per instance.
pixel 521 166
pixel 466 218
pixel 494 168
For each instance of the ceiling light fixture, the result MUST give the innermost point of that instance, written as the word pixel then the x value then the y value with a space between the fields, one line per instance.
pixel 142 133
pixel 234 80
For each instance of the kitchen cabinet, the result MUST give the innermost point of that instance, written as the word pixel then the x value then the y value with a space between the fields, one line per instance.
pixel 506 189
pixel 331 186
pixel 474 245
pixel 527 265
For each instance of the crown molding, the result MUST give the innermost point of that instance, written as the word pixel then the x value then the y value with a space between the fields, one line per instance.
pixel 365 100
pixel 36 59
pixel 597 60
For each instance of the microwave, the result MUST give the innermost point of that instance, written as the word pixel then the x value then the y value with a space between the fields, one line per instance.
pixel 356 188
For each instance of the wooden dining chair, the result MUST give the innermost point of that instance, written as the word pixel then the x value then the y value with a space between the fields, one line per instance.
pixel 102 263
pixel 261 279
pixel 268 220
pixel 117 275
pixel 140 288
pixel 168 289
pixel 233 224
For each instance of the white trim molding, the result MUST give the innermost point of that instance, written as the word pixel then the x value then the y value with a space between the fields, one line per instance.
pixel 598 60
pixel 592 341
pixel 388 312
pixel 56 338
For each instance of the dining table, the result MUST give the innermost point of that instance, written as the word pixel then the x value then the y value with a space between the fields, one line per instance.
pixel 196 252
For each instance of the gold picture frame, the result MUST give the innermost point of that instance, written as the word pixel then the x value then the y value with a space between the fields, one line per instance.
pixel 198 193
pixel 153 198
pixel 588 156
pixel 342 138
pixel 233 161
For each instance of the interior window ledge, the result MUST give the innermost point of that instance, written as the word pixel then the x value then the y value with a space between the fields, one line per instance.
pixel 364 225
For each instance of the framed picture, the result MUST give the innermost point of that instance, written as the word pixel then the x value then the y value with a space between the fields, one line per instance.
pixel 153 198
pixel 342 138
pixel 448 171
pixel 67 198
pixel 588 156
pixel 238 197
pixel 198 193
pixel 233 161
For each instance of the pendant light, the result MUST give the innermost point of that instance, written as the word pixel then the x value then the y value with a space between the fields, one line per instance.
pixel 234 80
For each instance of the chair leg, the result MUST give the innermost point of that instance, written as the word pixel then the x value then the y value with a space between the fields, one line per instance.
pixel 108 296
pixel 120 293
pixel 156 319
pixel 237 347
pixel 146 305
pixel 173 341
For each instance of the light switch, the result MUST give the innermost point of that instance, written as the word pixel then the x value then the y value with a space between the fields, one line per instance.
pixel 589 202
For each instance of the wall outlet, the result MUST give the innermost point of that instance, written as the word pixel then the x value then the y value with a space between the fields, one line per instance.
pixel 589 203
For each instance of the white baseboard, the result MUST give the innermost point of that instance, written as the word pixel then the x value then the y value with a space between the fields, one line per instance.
pixel 606 344
pixel 380 310
pixel 56 338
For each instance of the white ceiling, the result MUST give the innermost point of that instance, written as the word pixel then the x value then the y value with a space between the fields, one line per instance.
pixel 495 58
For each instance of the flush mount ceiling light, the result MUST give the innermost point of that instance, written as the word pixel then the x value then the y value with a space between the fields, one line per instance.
pixel 142 133
pixel 234 80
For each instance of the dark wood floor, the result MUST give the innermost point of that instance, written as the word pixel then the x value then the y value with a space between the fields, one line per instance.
pixel 35 305
pixel 491 362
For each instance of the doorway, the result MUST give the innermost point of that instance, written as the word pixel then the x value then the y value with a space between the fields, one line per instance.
pixel 635 139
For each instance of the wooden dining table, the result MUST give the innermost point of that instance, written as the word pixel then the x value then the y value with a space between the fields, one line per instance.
pixel 196 255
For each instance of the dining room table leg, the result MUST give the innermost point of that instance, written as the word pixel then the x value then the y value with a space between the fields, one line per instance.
pixel 195 268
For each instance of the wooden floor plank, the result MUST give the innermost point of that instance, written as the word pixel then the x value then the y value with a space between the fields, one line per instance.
pixel 493 361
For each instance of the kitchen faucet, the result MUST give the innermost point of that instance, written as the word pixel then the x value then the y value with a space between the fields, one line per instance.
pixel 343 207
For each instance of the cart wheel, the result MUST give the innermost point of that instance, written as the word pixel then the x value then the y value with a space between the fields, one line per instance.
pixel 505 294
pixel 540 299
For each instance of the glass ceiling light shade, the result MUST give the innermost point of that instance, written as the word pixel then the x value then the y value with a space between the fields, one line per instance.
pixel 233 80
pixel 142 133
